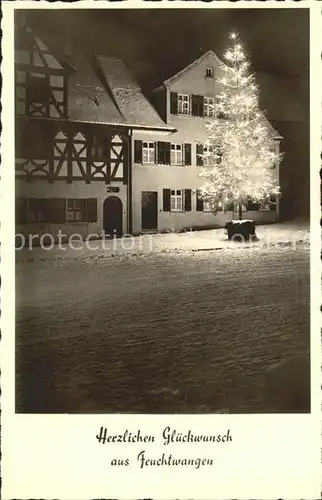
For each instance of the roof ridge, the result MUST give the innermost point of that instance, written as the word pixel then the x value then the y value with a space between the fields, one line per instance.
pixel 110 58
pixel 191 65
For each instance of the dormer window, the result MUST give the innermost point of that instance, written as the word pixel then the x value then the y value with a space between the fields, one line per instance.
pixel 183 104
pixel 209 72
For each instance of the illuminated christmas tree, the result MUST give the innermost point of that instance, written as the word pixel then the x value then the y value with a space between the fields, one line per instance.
pixel 238 157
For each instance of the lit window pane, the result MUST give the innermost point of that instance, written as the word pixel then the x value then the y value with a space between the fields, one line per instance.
pixel 148 153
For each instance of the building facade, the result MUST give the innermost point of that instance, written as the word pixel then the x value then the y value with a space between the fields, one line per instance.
pixel 166 173
pixel 95 157
pixel 74 125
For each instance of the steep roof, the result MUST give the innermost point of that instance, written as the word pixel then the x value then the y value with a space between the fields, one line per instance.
pixel 88 100
pixel 127 94
pixel 103 90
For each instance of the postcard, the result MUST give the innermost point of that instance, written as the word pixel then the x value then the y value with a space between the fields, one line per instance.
pixel 160 250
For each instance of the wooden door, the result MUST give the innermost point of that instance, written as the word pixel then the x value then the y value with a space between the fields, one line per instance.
pixel 113 216
pixel 149 210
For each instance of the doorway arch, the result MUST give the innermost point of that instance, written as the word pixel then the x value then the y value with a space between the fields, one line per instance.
pixel 113 216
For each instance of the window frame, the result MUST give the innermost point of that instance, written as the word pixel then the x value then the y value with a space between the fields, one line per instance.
pixel 182 102
pixel 207 206
pixel 75 210
pixel 209 72
pixel 175 198
pixel 98 148
pixel 208 107
pixel 177 151
pixel 149 151
pixel 207 159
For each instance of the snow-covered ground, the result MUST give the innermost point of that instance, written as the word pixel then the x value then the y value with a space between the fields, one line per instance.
pixel 293 234
pixel 186 330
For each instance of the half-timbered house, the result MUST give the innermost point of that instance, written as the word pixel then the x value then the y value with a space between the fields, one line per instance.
pixel 74 126
pixel 165 171
pixel 93 154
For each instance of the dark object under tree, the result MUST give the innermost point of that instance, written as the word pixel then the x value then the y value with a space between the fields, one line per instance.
pixel 241 230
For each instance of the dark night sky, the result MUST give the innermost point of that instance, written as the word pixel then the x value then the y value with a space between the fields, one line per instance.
pixel 167 39
pixel 156 43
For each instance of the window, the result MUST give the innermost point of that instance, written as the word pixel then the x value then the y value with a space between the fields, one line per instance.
pixel 48 210
pixel 37 210
pixel 176 154
pixel 207 206
pixel 264 206
pixel 208 106
pixel 201 204
pixel 38 89
pixel 209 72
pixel 99 147
pixel 207 158
pixel 183 104
pixel 212 155
pixel 148 152
pixel 81 210
pixel 176 200
pixel 56 210
pixel 76 210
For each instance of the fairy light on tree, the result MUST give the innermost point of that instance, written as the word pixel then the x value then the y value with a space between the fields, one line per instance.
pixel 238 153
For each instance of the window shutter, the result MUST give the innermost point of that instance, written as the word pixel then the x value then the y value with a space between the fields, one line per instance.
pixel 167 152
pixel 137 151
pixel 160 152
pixel 197 105
pixel 187 154
pixel 155 152
pixel 199 157
pixel 92 210
pixel 200 105
pixel 166 200
pixel 55 210
pixel 194 105
pixel 174 103
pixel 164 149
pixel 187 200
pixel 21 211
pixel 199 202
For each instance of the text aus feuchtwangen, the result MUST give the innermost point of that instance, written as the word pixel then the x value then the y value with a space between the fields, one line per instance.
pixel 168 436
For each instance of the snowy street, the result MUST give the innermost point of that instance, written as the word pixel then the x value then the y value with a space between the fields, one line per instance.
pixel 179 331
